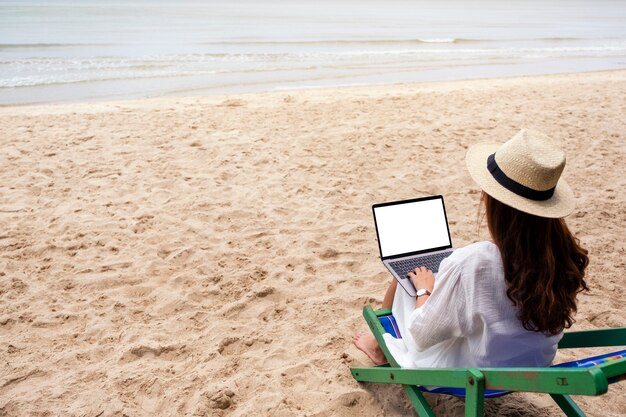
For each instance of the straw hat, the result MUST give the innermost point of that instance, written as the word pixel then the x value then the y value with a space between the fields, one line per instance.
pixel 523 173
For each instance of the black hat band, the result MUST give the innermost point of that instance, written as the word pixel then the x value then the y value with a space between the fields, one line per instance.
pixel 514 186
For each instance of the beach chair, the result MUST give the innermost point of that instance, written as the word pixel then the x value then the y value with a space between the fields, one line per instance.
pixel 590 376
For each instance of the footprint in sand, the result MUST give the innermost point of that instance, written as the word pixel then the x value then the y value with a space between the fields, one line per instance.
pixel 329 254
pixel 233 103
pixel 166 352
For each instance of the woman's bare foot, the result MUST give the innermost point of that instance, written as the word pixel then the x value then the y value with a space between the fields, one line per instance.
pixel 367 343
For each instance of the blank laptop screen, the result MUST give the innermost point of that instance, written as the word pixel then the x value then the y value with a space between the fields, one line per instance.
pixel 411 227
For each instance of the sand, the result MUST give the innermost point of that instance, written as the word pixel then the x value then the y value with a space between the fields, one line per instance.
pixel 211 255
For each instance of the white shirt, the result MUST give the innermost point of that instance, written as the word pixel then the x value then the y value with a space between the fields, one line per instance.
pixel 468 321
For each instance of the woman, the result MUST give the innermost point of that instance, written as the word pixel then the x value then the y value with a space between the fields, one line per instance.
pixel 505 302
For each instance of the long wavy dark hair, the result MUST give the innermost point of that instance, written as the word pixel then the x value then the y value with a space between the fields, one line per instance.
pixel 544 266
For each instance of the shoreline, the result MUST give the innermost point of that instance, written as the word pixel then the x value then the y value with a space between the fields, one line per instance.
pixel 288 91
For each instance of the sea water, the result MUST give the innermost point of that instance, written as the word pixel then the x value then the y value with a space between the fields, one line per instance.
pixel 59 50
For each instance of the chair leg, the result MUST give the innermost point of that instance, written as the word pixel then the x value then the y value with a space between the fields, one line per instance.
pixel 474 394
pixel 568 405
pixel 419 402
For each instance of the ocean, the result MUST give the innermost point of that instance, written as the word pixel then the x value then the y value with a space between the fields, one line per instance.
pixel 53 51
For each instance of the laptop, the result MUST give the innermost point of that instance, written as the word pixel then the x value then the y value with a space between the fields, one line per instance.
pixel 412 233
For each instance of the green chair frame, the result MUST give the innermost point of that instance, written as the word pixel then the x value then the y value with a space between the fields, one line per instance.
pixel 560 383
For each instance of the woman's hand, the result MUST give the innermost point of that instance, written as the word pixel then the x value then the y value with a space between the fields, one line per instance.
pixel 422 277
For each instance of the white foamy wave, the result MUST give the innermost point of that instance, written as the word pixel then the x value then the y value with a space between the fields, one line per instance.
pixel 439 40
pixel 39 72
pixel 29 72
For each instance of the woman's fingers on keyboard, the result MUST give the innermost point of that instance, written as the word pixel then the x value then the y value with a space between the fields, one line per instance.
pixel 413 271
pixel 417 271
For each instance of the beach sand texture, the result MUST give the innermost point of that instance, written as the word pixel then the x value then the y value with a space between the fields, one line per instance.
pixel 211 256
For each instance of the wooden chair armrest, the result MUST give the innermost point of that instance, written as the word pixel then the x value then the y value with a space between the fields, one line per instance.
pixel 594 338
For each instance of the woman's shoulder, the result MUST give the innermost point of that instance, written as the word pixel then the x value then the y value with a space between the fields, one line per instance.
pixel 477 263
pixel 484 249
pixel 476 255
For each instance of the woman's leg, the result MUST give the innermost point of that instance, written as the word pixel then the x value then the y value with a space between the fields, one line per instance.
pixel 366 341
pixel 391 292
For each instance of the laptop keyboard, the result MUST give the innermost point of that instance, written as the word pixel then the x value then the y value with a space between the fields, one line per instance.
pixel 431 262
